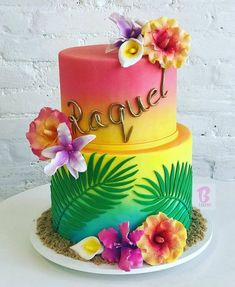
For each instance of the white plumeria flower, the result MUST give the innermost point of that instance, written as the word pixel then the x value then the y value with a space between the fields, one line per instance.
pixel 130 52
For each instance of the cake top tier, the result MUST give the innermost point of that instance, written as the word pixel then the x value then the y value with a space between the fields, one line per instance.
pixel 117 105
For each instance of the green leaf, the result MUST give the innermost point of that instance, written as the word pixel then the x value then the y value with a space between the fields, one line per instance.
pixel 97 168
pixel 167 179
pixel 75 202
pixel 142 195
pixel 155 190
pixel 160 182
pixel 117 167
pixel 89 167
pixel 147 187
pixel 170 193
pixel 106 168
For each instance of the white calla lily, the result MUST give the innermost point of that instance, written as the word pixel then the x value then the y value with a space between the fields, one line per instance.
pixel 130 52
pixel 88 247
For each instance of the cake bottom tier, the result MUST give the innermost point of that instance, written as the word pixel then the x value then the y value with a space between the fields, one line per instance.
pixel 121 186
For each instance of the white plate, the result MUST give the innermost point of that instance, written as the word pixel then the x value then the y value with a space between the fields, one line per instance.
pixel 113 269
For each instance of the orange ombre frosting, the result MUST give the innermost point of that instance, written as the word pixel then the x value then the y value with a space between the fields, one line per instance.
pixel 123 107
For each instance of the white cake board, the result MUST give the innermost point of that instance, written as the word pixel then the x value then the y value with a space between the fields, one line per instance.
pixel 113 269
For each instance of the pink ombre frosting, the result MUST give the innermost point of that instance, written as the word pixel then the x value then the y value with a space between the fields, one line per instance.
pixel 95 80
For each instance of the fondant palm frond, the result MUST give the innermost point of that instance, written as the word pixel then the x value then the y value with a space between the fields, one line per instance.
pixel 75 202
pixel 170 193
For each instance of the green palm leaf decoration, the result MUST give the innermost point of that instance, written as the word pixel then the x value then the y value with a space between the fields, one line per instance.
pixel 170 193
pixel 75 202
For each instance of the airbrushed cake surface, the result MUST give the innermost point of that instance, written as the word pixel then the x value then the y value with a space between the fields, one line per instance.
pixel 102 92
pixel 111 102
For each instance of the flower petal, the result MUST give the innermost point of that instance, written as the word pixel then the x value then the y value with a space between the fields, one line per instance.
pixel 38 152
pixel 72 171
pixel 114 44
pixel 148 250
pixel 135 235
pixel 108 237
pixel 124 263
pixel 111 47
pixel 124 229
pixel 60 159
pixel 130 52
pixel 50 152
pixel 64 134
pixel 125 25
pixel 136 258
pixel 77 161
pixel 111 254
pixel 79 143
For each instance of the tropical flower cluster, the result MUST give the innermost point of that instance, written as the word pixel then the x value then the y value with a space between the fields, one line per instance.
pixel 50 138
pixel 162 40
pixel 158 240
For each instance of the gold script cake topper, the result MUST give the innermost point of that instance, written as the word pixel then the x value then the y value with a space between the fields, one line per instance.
pixel 116 113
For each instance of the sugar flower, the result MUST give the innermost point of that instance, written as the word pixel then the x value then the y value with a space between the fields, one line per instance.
pixel 43 130
pixel 165 42
pixel 130 52
pixel 88 247
pixel 128 29
pixel 122 249
pixel 163 241
pixel 67 152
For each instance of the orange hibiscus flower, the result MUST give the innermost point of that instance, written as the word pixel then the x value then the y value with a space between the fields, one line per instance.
pixel 163 241
pixel 43 130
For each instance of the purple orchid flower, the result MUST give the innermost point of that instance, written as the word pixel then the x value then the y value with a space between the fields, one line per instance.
pixel 128 29
pixel 122 250
pixel 67 153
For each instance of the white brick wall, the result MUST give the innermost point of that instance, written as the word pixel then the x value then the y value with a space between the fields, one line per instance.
pixel 33 31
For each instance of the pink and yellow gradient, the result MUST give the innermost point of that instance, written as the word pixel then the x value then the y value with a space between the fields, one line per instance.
pixel 95 80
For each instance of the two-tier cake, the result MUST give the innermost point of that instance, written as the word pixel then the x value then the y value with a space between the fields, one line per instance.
pixel 121 174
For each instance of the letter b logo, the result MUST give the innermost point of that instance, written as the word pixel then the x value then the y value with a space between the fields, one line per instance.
pixel 204 192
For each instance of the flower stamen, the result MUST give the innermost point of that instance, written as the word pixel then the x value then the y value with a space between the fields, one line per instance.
pixel 132 51
pixel 159 239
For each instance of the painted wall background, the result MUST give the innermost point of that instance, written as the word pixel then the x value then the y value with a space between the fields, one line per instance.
pixel 32 32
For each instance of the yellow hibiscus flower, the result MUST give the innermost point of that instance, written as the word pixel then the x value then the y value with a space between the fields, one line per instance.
pixel 165 42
